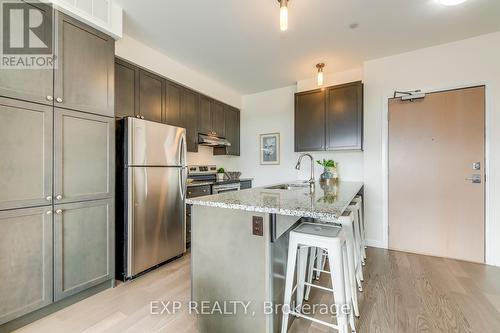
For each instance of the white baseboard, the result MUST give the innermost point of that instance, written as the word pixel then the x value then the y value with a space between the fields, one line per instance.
pixel 375 243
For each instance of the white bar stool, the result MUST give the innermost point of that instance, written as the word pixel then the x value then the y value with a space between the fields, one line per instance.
pixel 318 256
pixel 359 200
pixel 332 238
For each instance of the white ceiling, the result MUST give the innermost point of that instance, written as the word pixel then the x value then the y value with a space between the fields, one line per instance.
pixel 239 42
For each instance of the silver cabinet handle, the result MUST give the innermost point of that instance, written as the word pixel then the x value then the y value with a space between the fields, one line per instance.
pixel 50 98
pixel 59 197
pixel 59 211
pixel 138 116
pixel 142 117
pixel 48 198
pixel 59 100
pixel 49 212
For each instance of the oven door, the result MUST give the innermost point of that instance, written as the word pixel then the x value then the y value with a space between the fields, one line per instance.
pixel 217 189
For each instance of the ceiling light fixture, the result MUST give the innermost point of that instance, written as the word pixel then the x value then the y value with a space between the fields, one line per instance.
pixel 283 15
pixel 321 77
pixel 451 2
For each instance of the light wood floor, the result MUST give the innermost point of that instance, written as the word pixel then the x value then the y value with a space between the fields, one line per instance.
pixel 403 293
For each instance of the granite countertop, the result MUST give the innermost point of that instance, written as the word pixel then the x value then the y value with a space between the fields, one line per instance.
pixel 327 202
pixel 212 182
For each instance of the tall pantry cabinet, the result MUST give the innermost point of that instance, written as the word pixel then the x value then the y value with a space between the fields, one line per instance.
pixel 57 173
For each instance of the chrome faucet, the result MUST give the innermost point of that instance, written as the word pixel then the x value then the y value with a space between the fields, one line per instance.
pixel 312 180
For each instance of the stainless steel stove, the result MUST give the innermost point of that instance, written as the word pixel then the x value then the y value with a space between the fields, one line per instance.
pixel 199 175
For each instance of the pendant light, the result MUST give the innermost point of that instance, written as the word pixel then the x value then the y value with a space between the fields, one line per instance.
pixel 283 15
pixel 321 77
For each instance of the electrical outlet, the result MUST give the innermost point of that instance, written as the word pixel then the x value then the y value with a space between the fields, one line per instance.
pixel 257 226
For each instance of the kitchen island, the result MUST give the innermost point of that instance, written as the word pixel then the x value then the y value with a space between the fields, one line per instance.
pixel 239 246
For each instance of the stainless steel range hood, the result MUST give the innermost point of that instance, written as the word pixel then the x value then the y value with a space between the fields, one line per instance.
pixel 212 141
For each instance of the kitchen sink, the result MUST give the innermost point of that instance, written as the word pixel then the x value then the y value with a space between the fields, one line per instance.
pixel 291 186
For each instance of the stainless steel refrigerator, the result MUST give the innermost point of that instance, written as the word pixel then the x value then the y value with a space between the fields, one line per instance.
pixel 151 185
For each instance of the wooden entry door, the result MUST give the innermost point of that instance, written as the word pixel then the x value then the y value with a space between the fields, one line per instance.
pixel 435 145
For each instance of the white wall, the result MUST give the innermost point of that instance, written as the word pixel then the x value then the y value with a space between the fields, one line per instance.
pixel 273 111
pixel 133 50
pixel 464 63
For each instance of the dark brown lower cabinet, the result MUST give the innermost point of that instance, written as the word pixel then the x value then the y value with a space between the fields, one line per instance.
pixel 83 246
pixel 330 118
pixel 26 254
pixel 245 184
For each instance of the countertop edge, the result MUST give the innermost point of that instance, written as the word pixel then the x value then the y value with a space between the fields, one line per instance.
pixel 279 211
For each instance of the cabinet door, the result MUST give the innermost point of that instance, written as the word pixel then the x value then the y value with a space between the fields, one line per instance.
pixel 245 184
pixel 310 121
pixel 189 118
pixel 205 115
pixel 151 96
pixel 126 94
pixel 344 117
pixel 83 246
pixel 34 85
pixel 232 132
pixel 26 257
pixel 218 119
pixel 26 154
pixel 173 104
pixel 84 156
pixel 85 65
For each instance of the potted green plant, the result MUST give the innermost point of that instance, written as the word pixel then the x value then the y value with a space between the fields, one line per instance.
pixel 220 174
pixel 330 170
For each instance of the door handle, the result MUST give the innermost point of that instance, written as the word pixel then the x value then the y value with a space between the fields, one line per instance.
pixel 475 179
pixel 59 100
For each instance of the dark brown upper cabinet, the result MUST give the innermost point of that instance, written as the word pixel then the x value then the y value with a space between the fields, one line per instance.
pixel 33 85
pixel 151 96
pixel 205 115
pixel 344 117
pixel 218 119
pixel 330 118
pixel 173 104
pixel 211 117
pixel 232 132
pixel 141 93
pixel 126 95
pixel 189 118
pixel 84 73
pixel 310 121
pixel 83 76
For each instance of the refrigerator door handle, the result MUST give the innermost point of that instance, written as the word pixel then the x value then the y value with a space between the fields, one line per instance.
pixel 182 150
pixel 182 181
pixel 183 168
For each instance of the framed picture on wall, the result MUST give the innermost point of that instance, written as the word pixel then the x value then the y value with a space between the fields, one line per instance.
pixel 270 149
